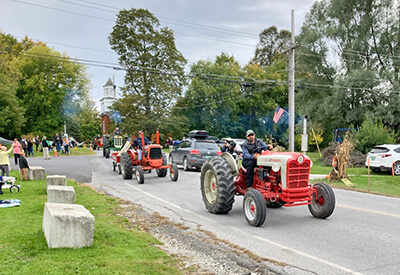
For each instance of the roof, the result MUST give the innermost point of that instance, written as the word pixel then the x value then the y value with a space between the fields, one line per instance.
pixel 109 83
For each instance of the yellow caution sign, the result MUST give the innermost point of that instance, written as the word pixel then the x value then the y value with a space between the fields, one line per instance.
pixel 347 182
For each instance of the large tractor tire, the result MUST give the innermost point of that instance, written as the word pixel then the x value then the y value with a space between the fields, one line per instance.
pixel 107 153
pixel 254 207
pixel 162 172
pixel 139 174
pixel 217 186
pixel 126 166
pixel 173 172
pixel 94 145
pixel 323 205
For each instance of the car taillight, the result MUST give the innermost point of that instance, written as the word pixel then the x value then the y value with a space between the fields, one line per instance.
pixel 387 155
pixel 219 153
pixel 195 152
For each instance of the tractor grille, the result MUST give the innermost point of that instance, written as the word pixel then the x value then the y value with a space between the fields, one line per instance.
pixel 155 153
pixel 298 174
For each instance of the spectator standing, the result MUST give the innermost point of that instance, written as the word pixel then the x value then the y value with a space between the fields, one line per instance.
pixel 23 167
pixel 57 142
pixel 37 142
pixel 16 150
pixel 30 147
pixel 45 147
pixel 24 145
pixel 66 145
pixel 4 160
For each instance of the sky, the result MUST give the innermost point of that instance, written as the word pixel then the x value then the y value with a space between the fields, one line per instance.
pixel 203 29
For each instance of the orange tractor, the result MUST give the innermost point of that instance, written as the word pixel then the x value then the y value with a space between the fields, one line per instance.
pixel 148 158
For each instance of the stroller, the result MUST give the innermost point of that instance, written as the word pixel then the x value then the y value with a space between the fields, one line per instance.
pixel 8 182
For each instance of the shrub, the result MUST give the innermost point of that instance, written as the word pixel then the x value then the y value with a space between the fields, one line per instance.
pixel 372 133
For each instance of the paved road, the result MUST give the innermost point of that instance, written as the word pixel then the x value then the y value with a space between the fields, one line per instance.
pixel 361 237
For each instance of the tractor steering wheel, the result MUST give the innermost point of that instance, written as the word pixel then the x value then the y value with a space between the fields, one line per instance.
pixel 259 149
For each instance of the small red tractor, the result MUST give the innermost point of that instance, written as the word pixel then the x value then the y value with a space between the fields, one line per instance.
pixel 140 161
pixel 97 142
pixel 280 179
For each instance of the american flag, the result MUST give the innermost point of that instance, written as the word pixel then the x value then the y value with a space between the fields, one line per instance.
pixel 278 113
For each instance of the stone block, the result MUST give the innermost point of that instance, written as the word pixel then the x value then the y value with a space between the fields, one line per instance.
pixel 67 225
pixel 36 173
pixel 61 194
pixel 58 180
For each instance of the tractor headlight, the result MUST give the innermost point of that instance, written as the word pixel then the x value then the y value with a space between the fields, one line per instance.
pixel 300 159
pixel 276 167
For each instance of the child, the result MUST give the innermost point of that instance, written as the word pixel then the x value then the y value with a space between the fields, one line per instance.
pixel 23 167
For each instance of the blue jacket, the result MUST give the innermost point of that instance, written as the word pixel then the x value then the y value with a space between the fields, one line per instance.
pixel 138 142
pixel 249 147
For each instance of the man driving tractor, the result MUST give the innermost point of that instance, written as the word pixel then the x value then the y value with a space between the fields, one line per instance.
pixel 252 148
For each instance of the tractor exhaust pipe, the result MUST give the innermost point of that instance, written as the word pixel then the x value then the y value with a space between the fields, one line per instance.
pixel 158 137
pixel 142 136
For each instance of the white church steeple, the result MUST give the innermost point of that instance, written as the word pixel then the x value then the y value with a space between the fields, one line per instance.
pixel 109 92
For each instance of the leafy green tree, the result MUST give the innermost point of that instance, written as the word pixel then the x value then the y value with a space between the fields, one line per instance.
pixel 11 112
pixel 273 44
pixel 371 133
pixel 50 88
pixel 154 70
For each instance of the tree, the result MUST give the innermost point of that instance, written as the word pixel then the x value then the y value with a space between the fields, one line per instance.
pixel 154 70
pixel 51 87
pixel 11 112
pixel 273 44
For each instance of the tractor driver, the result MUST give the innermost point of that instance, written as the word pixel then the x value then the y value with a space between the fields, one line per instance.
pixel 138 141
pixel 117 131
pixel 250 157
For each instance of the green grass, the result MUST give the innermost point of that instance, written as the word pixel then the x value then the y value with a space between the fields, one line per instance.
pixel 116 249
pixel 379 183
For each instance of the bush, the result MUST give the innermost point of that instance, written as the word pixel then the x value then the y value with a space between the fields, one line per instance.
pixel 372 133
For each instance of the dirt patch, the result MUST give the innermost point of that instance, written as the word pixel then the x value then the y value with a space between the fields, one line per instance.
pixel 197 251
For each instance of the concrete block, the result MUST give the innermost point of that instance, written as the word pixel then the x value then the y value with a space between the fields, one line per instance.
pixel 36 173
pixel 67 225
pixel 61 194
pixel 59 180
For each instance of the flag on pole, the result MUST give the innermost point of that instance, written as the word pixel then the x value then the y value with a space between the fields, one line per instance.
pixel 278 113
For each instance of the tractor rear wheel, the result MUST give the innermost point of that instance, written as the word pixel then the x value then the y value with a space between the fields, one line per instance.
pixel 173 172
pixel 254 207
pixel 139 175
pixel 119 168
pixel 114 166
pixel 126 166
pixel 217 186
pixel 323 205
pixel 107 153
pixel 94 145
pixel 163 172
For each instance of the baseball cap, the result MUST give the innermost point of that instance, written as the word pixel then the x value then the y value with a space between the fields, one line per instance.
pixel 249 132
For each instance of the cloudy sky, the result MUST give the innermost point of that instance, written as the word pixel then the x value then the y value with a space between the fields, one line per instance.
pixel 203 29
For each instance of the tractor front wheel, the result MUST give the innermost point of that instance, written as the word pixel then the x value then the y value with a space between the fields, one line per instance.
pixel 139 175
pixel 126 166
pixel 323 203
pixel 173 172
pixel 217 186
pixel 107 153
pixel 254 207
pixel 162 172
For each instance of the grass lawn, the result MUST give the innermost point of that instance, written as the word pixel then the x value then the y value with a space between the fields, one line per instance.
pixel 116 249
pixel 379 183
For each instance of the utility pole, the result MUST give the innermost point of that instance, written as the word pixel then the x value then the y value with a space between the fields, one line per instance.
pixel 291 87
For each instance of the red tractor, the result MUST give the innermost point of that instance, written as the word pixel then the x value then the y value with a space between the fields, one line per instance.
pixel 151 157
pixel 280 179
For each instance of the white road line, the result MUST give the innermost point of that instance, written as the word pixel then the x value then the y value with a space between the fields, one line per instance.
pixel 169 203
pixel 369 211
pixel 256 237
pixel 345 269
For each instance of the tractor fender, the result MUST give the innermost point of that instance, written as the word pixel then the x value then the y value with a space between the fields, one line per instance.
pixel 232 163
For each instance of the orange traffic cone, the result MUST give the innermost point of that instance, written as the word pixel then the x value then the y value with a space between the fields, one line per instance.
pixel 91 147
pixel 55 153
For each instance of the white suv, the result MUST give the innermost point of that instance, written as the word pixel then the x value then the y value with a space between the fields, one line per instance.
pixel 384 158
